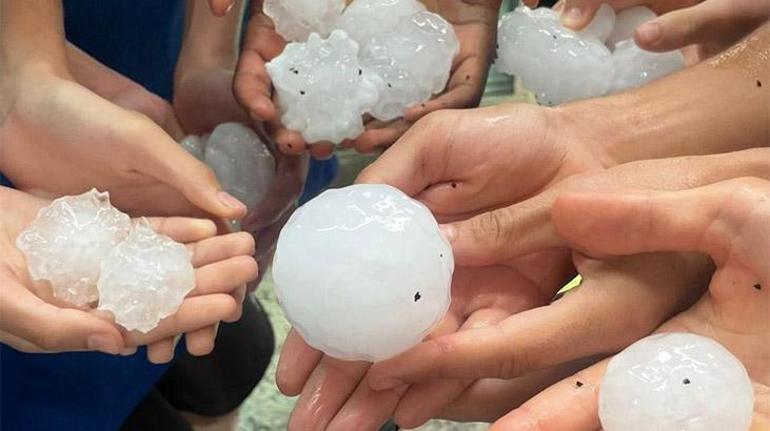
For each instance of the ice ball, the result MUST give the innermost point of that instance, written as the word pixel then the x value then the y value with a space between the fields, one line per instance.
pixel 364 19
pixel 363 272
pixel 554 62
pixel 626 22
pixel 322 89
pixel 634 67
pixel 675 381
pixel 601 25
pixel 414 60
pixel 295 20
pixel 145 278
pixel 68 240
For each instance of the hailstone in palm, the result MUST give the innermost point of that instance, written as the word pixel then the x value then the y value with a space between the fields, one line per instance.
pixel 295 20
pixel 363 272
pixel 635 67
pixel 364 19
pixel 414 60
pixel 554 62
pixel 322 89
pixel 145 278
pixel 676 381
pixel 68 240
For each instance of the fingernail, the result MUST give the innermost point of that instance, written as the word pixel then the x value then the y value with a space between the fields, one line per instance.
pixel 128 351
pixel 449 231
pixel 230 7
pixel 230 201
pixel 102 343
pixel 649 32
pixel 572 17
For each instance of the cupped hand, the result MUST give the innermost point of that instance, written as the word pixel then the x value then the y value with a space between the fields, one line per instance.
pixel 726 220
pixel 34 321
pixel 59 137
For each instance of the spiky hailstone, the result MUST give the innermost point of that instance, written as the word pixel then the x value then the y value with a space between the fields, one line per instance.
pixel 145 278
pixel 295 20
pixel 676 381
pixel 363 272
pixel 322 89
pixel 560 65
pixel 414 60
pixel 553 62
pixel 241 161
pixel 67 241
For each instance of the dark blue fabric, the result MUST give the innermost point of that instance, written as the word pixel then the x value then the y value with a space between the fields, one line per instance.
pixel 93 391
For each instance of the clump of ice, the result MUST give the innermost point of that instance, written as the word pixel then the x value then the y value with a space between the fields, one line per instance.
pixel 67 241
pixel 676 381
pixel 560 65
pixel 403 56
pixel 242 163
pixel 413 59
pixel 295 20
pixel 363 272
pixel 322 89
pixel 145 278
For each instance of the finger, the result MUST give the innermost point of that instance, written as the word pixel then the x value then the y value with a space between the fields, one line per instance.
pixel 221 7
pixel 571 404
pixel 679 28
pixel 366 409
pixel 290 142
pixel 563 331
pixel 160 157
pixel 576 14
pixel 194 313
pixel 211 250
pixel 252 85
pixel 224 276
pixel 706 219
pixel 53 329
pixel 183 229
pixel 374 138
pixel 328 387
pixel 162 351
pixel 322 150
pixel 295 364
pixel 201 342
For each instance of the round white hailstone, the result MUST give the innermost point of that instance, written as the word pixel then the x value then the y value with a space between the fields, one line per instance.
pixel 195 145
pixel 602 24
pixel 635 67
pixel 675 381
pixel 553 62
pixel 322 89
pixel 363 272
pixel 145 278
pixel 414 60
pixel 67 241
pixel 295 20
pixel 626 22
pixel 241 161
pixel 364 19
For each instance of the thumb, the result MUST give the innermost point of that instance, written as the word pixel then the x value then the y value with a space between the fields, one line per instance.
pixel 683 27
pixel 708 219
pixel 499 235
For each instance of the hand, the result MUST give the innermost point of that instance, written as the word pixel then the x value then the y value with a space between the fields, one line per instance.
pixel 35 321
pixel 712 25
pixel 59 137
pixel 728 221
pixel 203 99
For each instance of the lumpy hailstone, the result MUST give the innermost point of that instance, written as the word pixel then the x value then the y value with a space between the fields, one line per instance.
pixel 145 278
pixel 364 19
pixel 295 20
pixel 67 241
pixel 560 65
pixel 363 272
pixel 322 88
pixel 241 161
pixel 675 381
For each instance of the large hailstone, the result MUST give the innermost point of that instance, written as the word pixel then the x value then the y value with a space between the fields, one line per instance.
pixel 364 19
pixel 675 381
pixel 295 20
pixel 322 89
pixel 145 278
pixel 554 62
pixel 363 272
pixel 68 240
pixel 241 161
pixel 626 22
pixel 414 59
pixel 635 67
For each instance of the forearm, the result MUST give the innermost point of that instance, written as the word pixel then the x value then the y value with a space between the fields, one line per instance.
pixel 715 107
pixel 31 33
pixel 210 40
